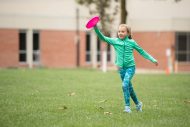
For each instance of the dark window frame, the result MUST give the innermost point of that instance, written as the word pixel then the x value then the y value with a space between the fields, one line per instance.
pixel 182 51
pixel 36 46
pixel 22 46
pixel 88 48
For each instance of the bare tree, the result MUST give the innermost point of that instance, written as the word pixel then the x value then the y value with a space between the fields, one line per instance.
pixel 102 8
pixel 124 12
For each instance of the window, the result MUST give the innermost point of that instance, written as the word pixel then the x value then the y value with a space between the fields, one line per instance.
pixel 98 49
pixel 36 47
pixel 22 46
pixel 88 56
pixel 183 47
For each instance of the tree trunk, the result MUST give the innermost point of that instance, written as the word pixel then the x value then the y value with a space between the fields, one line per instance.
pixel 123 11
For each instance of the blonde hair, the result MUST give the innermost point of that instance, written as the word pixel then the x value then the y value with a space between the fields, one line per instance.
pixel 128 30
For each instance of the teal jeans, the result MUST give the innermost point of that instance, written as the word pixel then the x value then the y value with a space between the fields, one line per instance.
pixel 126 75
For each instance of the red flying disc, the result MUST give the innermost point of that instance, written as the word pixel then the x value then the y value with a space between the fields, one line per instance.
pixel 92 22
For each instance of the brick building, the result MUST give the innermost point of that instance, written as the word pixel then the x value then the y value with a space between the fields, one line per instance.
pixel 46 33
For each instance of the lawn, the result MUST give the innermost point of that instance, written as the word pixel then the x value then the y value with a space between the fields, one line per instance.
pixel 90 98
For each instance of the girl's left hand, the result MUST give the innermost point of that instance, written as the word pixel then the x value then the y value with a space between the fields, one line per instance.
pixel 156 63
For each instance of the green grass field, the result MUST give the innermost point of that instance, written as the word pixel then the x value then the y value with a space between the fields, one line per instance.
pixel 90 98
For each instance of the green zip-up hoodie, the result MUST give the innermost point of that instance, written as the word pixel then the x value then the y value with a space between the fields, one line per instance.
pixel 124 49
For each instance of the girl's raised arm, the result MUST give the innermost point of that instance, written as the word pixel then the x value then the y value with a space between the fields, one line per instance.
pixel 102 37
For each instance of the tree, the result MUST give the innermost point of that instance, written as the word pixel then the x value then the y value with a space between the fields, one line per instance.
pixel 124 12
pixel 102 8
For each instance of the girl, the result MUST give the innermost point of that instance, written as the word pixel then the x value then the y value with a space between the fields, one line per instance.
pixel 124 46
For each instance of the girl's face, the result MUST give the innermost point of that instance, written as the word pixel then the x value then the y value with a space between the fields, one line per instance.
pixel 122 33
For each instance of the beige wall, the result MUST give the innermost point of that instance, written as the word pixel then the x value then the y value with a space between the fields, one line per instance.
pixel 143 15
pixel 40 14
pixel 159 15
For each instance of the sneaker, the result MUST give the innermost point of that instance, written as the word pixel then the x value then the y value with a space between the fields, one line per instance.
pixel 127 109
pixel 139 106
